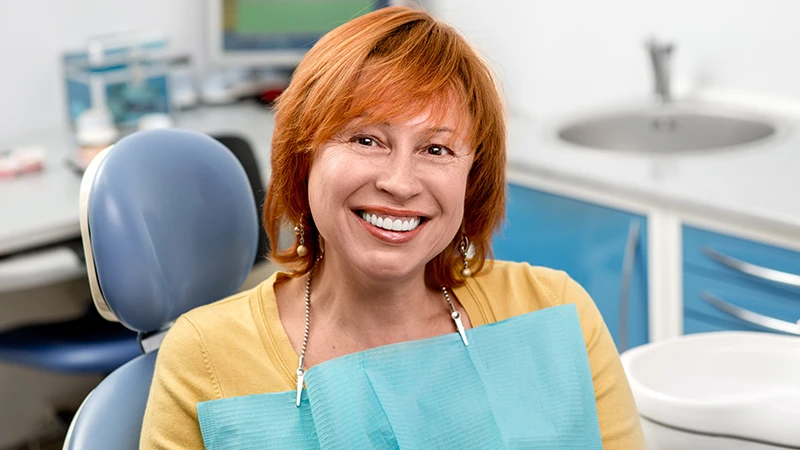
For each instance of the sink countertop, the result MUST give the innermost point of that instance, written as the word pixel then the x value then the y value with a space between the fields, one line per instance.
pixel 757 184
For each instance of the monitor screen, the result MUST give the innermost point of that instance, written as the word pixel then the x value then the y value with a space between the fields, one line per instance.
pixel 275 32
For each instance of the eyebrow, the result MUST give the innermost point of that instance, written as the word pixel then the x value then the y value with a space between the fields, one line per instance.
pixel 442 130
pixel 432 130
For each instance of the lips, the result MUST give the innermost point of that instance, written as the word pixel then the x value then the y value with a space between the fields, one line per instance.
pixel 391 223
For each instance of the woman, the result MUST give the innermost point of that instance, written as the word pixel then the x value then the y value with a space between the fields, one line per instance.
pixel 388 160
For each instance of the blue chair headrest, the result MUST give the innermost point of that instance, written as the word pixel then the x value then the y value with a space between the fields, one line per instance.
pixel 169 223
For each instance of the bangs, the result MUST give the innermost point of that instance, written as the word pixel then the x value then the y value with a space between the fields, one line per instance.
pixel 380 99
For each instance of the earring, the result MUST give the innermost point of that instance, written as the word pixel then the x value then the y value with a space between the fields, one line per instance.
pixel 465 272
pixel 300 231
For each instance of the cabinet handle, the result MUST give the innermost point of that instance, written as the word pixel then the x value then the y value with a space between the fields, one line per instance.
pixel 628 260
pixel 764 273
pixel 748 316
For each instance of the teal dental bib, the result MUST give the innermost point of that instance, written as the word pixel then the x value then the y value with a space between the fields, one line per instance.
pixel 522 383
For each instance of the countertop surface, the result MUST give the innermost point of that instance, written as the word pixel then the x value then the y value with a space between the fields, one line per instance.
pixel 40 208
pixel 757 184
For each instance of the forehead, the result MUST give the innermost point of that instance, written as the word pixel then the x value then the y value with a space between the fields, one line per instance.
pixel 429 119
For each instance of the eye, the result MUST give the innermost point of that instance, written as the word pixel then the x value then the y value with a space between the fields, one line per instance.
pixel 438 150
pixel 366 141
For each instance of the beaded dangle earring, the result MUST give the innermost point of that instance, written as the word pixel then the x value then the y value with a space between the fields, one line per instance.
pixel 300 231
pixel 463 249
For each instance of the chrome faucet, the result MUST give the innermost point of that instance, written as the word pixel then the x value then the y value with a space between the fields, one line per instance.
pixel 660 57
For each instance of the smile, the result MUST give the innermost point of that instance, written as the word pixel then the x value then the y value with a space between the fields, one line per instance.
pixel 391 223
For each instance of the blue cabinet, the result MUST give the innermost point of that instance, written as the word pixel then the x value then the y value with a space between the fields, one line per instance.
pixel 589 242
pixel 730 283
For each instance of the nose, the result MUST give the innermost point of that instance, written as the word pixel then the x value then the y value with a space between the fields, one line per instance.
pixel 399 176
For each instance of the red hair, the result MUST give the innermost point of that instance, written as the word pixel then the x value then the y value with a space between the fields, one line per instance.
pixel 395 63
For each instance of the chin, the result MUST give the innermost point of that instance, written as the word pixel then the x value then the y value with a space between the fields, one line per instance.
pixel 390 269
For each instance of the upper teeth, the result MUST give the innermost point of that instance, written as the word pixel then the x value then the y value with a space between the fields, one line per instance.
pixel 387 223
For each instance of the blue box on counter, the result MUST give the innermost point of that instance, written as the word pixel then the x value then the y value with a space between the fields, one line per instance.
pixel 130 76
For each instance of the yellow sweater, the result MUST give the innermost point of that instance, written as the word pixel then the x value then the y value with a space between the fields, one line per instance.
pixel 238 347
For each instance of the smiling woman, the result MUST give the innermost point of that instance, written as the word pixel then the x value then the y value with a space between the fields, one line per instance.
pixel 391 326
pixel 378 70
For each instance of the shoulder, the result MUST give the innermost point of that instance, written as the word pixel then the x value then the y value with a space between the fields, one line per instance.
pixel 512 288
pixel 208 323
pixel 221 315
pixel 192 367
pixel 226 325
pixel 507 289
pixel 239 340
pixel 221 340
pixel 197 330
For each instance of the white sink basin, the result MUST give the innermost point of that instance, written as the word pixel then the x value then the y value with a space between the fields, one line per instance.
pixel 668 129
pixel 742 386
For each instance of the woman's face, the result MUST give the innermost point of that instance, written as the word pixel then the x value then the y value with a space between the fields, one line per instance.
pixel 388 198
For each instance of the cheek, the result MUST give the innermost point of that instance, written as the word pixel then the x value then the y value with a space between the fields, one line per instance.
pixel 318 189
pixel 321 190
pixel 451 189
pixel 459 193
pixel 458 207
pixel 458 186
pixel 331 179
pixel 313 191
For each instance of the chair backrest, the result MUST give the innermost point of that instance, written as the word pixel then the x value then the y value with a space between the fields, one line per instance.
pixel 168 221
pixel 243 151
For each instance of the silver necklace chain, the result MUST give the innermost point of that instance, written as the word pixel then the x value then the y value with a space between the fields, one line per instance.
pixel 301 371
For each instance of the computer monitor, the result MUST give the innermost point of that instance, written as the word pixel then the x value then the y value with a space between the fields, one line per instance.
pixel 275 33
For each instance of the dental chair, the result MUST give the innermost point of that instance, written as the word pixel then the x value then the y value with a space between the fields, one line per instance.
pixel 169 223
pixel 88 344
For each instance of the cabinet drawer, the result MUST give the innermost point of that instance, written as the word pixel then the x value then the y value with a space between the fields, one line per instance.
pixel 731 258
pixel 697 289
pixel 698 323
pixel 603 249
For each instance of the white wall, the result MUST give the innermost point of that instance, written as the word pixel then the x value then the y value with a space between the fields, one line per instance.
pixel 553 56
pixel 33 34
pixel 566 55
